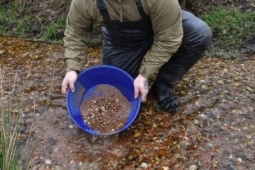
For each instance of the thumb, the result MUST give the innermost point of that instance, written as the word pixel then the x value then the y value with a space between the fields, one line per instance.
pixel 136 92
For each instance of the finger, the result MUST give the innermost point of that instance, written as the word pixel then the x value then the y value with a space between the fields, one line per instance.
pixel 143 96
pixel 64 89
pixel 71 86
pixel 136 92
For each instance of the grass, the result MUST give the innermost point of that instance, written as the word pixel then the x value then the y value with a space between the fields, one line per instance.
pixel 13 21
pixel 8 141
pixel 11 112
pixel 55 30
pixel 9 130
pixel 16 20
pixel 230 26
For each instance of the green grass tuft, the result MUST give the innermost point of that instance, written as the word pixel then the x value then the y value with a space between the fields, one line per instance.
pixel 230 26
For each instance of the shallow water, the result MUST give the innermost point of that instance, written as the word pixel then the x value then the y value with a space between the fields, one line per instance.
pixel 213 129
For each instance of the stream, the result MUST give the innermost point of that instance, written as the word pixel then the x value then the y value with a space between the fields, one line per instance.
pixel 214 127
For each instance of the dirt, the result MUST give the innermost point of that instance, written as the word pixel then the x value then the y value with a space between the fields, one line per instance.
pixel 106 110
pixel 213 129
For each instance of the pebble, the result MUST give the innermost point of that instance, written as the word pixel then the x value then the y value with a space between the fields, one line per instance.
pixel 57 168
pixel 239 160
pixel 196 121
pixel 70 126
pixel 137 134
pixel 48 162
pixel 193 167
pixel 144 165
pixel 230 156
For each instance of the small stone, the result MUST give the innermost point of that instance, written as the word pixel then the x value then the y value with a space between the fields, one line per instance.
pixel 221 82
pixel 204 87
pixel 57 168
pixel 137 134
pixel 133 154
pixel 71 126
pixel 48 162
pixel 196 121
pixel 144 165
pixel 230 156
pixel 161 152
pixel 147 122
pixel 239 160
pixel 193 167
pixel 165 168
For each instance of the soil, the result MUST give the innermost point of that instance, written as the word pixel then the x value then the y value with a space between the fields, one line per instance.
pixel 106 110
pixel 213 129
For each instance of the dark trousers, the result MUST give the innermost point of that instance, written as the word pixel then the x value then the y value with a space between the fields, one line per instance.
pixel 197 38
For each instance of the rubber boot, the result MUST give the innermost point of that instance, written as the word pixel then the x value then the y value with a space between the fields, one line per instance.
pixel 163 85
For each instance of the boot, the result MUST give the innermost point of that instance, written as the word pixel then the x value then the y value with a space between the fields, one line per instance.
pixel 162 86
pixel 167 101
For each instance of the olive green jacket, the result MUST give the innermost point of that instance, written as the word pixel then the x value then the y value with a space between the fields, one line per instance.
pixel 166 22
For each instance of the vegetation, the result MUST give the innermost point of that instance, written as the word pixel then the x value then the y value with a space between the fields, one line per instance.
pixel 231 27
pixel 8 140
pixel 19 19
pixel 9 130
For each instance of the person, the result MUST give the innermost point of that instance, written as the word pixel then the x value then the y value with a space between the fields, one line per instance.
pixel 145 38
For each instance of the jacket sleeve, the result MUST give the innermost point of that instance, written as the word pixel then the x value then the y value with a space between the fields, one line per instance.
pixel 79 24
pixel 168 32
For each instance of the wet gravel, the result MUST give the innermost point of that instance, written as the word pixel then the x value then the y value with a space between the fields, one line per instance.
pixel 106 110
pixel 214 127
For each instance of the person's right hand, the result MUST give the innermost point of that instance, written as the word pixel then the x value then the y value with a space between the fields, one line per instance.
pixel 68 81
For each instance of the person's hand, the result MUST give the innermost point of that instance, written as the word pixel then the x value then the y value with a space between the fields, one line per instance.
pixel 69 80
pixel 141 87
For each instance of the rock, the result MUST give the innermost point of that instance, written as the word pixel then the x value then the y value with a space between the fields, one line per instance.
pixel 193 167
pixel 144 165
pixel 165 168
pixel 137 134
pixel 133 154
pixel 48 162
pixel 161 152
pixel 57 168
pixel 239 160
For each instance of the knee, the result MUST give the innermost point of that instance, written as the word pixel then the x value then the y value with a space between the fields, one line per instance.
pixel 196 31
pixel 205 35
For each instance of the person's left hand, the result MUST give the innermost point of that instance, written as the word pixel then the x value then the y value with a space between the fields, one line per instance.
pixel 141 87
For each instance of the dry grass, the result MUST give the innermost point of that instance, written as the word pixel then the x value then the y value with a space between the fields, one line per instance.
pixel 9 127
pixel 11 112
